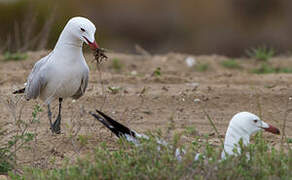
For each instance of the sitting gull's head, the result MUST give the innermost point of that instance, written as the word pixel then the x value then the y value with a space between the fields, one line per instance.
pixel 251 123
pixel 241 127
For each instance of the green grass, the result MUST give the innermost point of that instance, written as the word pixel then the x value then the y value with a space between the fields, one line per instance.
pixel 114 90
pixel 8 56
pixel 202 67
pixel 231 64
pixel 117 65
pixel 157 72
pixel 147 162
pixel 16 142
pixel 267 69
pixel 261 53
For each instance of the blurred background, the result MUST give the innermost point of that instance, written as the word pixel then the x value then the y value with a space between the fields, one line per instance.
pixel 228 27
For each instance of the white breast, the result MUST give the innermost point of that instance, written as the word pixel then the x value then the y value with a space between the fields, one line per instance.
pixel 64 78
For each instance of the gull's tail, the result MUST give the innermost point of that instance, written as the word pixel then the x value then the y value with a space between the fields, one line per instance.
pixel 117 128
pixel 19 91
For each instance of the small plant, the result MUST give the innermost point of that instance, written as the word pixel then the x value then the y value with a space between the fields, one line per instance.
pixel 191 130
pixel 37 109
pixel 16 142
pixel 14 56
pixel 283 70
pixel 83 139
pixel 202 67
pixel 264 69
pixel 157 72
pixel 117 65
pixel 231 64
pixel 114 90
pixel 261 53
pixel 267 69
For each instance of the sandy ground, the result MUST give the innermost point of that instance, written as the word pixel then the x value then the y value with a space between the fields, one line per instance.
pixel 145 102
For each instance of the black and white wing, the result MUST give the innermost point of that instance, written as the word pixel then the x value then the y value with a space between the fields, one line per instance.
pixel 117 128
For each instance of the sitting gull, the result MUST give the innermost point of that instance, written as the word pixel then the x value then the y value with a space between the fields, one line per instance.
pixel 241 126
pixel 64 72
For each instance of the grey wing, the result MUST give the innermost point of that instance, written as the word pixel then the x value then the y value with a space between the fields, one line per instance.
pixel 83 86
pixel 36 79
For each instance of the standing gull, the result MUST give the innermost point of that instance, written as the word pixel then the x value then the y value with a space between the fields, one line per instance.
pixel 241 126
pixel 64 72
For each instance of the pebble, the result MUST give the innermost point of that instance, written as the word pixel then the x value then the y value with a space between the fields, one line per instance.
pixel 190 61
pixel 134 73
pixel 197 100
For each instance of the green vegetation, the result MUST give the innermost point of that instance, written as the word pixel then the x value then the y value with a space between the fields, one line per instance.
pixel 117 65
pixel 114 90
pixel 191 130
pixel 261 53
pixel 230 64
pixel 16 142
pixel 14 56
pixel 202 67
pixel 258 160
pixel 267 69
pixel 147 162
pixel 157 72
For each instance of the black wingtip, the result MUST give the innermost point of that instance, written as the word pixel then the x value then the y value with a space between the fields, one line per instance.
pixel 119 129
pixel 19 91
pixel 106 123
pixel 99 118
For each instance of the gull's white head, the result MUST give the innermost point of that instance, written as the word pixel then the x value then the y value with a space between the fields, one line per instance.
pixel 82 30
pixel 250 123
pixel 242 126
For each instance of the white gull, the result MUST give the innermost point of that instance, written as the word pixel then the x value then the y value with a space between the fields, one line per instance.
pixel 64 72
pixel 241 126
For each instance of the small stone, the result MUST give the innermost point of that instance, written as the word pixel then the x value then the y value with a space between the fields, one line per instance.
pixel 194 84
pixel 197 100
pixel 190 61
pixel 134 73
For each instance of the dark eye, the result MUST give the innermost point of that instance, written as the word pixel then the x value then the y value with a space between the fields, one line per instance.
pixel 82 29
pixel 255 121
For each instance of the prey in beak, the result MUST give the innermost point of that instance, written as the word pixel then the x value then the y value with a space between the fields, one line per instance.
pixel 99 53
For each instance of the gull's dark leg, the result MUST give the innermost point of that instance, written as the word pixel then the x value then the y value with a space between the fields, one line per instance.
pixel 56 128
pixel 50 116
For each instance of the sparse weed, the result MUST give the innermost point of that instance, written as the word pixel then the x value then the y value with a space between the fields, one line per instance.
pixel 261 53
pixel 257 161
pixel 283 70
pixel 8 56
pixel 16 142
pixel 231 64
pixel 202 67
pixel 157 72
pixel 267 69
pixel 114 90
pixel 191 130
pixel 264 69
pixel 83 139
pixel 117 65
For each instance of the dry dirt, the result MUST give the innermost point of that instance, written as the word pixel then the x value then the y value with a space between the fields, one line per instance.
pixel 145 102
